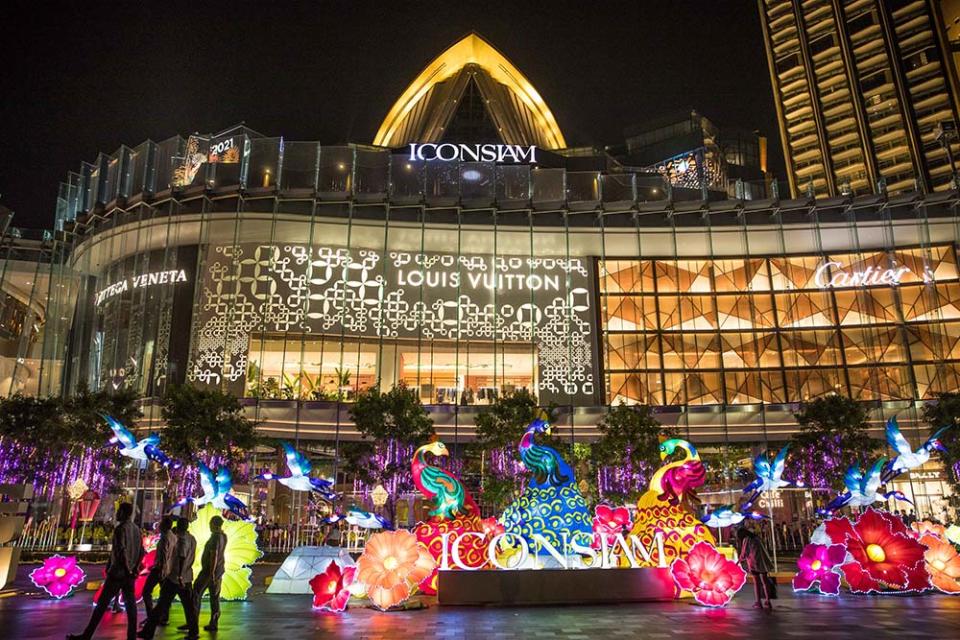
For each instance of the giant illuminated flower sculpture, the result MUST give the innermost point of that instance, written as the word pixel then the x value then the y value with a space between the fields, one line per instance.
pixel 392 565
pixel 884 554
pixel 953 534
pixel 608 522
pixel 241 551
pixel 708 575
pixel 58 576
pixel 819 564
pixel 923 527
pixel 331 589
pixel 943 564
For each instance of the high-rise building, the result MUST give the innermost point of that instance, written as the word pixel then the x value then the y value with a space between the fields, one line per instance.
pixel 866 94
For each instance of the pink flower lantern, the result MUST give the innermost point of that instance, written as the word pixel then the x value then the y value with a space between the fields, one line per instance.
pixel 708 575
pixel 58 576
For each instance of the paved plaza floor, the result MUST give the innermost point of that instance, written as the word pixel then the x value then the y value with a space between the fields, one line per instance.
pixel 278 617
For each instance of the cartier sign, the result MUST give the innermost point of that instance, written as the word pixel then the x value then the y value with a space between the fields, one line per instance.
pixel 835 274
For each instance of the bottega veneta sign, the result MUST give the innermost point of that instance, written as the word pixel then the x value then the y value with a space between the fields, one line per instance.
pixel 139 281
pixel 449 152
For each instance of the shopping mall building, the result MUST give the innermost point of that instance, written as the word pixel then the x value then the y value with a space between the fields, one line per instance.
pixel 467 252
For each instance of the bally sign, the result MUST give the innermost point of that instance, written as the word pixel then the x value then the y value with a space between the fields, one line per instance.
pixel 140 281
pixel 572 554
pixel 449 152
pixel 833 274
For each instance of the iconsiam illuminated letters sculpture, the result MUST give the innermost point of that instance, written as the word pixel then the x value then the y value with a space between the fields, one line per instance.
pixel 454 514
pixel 667 507
pixel 551 504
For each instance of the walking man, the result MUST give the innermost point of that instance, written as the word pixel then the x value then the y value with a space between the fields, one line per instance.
pixel 179 583
pixel 122 569
pixel 211 571
pixel 162 565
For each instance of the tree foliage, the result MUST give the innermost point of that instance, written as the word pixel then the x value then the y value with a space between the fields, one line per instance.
pixel 946 412
pixel 628 449
pixel 52 440
pixel 395 415
pixel 499 428
pixel 392 425
pixel 833 435
pixel 206 424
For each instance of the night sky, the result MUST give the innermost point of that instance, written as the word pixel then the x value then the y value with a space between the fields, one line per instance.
pixel 87 78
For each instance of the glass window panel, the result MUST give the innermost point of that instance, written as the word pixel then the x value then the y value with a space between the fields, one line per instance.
pixel 628 313
pixel 811 348
pixel 808 309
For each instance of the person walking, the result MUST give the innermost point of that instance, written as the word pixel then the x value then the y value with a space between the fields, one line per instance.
pixel 211 571
pixel 179 583
pixel 756 560
pixel 162 565
pixel 123 566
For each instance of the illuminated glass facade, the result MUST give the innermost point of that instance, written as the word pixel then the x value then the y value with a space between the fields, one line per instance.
pixel 773 330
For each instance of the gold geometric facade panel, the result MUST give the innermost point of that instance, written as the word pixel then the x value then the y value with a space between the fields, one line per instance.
pixel 875 261
pixel 879 383
pixel 691 351
pixel 794 272
pixel 746 311
pixel 866 306
pixel 632 351
pixel 629 313
pixel 938 263
pixel 689 313
pixel 683 276
pixel 426 108
pixel 921 303
pixel 754 387
pixel 749 350
pixel 635 388
pixel 873 345
pixel 811 348
pixel 934 342
pixel 934 379
pixel 807 384
pixel 626 276
pixel 741 275
pixel 693 388
pixel 810 309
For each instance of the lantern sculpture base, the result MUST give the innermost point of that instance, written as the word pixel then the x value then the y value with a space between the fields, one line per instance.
pixel 555 586
pixel 302 565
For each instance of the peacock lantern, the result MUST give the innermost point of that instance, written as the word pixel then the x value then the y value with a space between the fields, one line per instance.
pixel 551 503
pixel 669 504
pixel 454 511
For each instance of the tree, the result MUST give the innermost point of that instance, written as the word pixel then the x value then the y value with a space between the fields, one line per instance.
pixel 392 424
pixel 833 435
pixel 206 424
pixel 946 412
pixel 51 441
pixel 628 450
